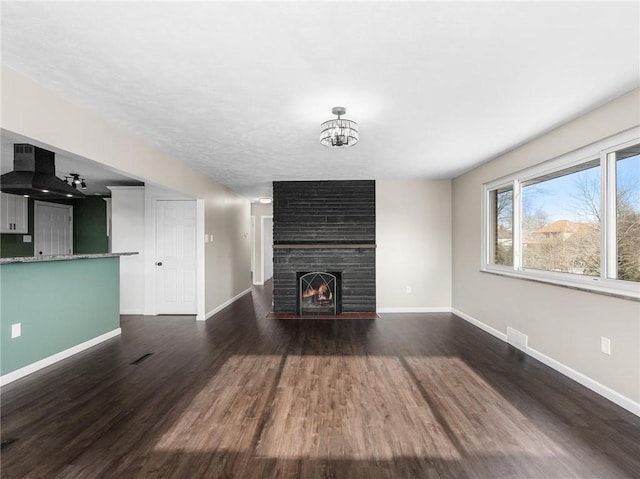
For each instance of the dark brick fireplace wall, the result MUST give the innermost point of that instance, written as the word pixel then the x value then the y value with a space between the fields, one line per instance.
pixel 329 218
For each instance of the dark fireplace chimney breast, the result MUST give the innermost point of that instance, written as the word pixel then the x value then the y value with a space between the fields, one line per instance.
pixel 324 247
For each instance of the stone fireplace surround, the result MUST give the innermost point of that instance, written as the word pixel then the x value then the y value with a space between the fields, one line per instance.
pixel 324 226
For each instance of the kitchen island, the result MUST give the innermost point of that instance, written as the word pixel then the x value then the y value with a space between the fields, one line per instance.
pixel 55 306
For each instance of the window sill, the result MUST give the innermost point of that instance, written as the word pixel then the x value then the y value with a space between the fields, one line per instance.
pixel 579 284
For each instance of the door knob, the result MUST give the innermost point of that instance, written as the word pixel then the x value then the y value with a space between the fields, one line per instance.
pixel 159 263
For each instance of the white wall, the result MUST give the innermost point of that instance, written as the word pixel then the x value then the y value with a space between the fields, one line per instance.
pixel 267 248
pixel 134 228
pixel 128 234
pixel 564 325
pixel 52 121
pixel 228 224
pixel 413 236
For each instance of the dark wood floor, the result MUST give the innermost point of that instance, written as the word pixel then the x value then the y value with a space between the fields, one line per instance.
pixel 424 395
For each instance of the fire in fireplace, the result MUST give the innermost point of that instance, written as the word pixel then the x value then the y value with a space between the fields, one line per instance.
pixel 318 293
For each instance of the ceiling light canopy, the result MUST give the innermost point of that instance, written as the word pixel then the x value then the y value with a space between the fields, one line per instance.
pixel 339 133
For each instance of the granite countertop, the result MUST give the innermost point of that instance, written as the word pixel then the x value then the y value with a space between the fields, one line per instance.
pixel 62 257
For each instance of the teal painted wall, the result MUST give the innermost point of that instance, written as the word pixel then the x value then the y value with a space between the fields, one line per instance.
pixel 89 229
pixel 60 305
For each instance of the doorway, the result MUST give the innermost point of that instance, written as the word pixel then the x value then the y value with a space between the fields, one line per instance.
pixel 53 229
pixel 267 248
pixel 253 248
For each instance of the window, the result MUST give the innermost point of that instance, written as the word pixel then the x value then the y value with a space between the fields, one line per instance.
pixel 561 221
pixel 502 239
pixel 573 220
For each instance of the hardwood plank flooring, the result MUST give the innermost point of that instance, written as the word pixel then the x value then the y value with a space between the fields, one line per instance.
pixel 248 396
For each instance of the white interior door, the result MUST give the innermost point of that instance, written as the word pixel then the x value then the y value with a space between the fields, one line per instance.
pixel 53 229
pixel 176 257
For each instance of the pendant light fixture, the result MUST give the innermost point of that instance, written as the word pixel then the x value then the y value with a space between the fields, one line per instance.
pixel 74 180
pixel 339 133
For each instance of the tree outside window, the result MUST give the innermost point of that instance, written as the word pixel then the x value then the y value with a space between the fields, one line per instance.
pixel 502 202
pixel 628 213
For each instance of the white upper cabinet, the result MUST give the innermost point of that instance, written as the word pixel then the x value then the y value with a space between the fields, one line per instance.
pixel 14 214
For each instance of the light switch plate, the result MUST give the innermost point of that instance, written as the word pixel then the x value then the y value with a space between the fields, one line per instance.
pixel 26 238
pixel 605 345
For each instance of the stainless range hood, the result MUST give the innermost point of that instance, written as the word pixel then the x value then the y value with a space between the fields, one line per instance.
pixel 34 175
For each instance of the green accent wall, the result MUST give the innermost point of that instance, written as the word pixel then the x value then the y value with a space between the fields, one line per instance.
pixel 90 226
pixel 60 304
pixel 89 229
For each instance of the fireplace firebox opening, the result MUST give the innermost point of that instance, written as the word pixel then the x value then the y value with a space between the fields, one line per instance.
pixel 319 293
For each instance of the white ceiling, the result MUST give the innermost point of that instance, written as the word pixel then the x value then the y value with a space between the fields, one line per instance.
pixel 238 90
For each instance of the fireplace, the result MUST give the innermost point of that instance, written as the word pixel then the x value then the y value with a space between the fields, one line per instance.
pixel 325 229
pixel 319 293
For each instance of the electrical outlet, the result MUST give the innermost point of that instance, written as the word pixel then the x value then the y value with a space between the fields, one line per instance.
pixel 408 289
pixel 605 345
pixel 16 330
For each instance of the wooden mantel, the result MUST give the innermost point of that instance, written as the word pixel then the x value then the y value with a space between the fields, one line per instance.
pixel 324 246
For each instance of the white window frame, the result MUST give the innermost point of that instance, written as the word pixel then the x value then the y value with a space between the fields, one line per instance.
pixel 606 282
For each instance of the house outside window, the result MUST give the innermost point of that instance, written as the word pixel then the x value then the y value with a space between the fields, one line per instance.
pixel 561 221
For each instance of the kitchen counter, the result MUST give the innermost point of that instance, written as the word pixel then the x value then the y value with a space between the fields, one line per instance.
pixel 62 257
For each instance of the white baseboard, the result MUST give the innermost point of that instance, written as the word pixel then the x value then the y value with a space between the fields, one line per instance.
pixel 586 381
pixel 604 391
pixel 485 327
pixel 43 363
pixel 437 309
pixel 132 311
pixel 224 305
